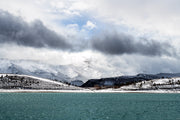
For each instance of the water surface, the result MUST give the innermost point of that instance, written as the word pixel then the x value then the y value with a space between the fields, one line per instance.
pixel 89 106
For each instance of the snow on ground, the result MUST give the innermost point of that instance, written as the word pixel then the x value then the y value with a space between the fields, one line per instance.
pixel 166 83
pixel 44 80
pixel 44 91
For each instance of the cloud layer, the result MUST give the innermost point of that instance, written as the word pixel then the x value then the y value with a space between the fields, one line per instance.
pixel 15 30
pixel 117 44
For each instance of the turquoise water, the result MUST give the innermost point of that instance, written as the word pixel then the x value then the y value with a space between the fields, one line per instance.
pixel 89 106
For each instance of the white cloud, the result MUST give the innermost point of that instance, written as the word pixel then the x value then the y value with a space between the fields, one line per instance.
pixel 89 25
pixel 151 15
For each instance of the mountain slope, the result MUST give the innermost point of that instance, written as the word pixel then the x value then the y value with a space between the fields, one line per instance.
pixel 60 72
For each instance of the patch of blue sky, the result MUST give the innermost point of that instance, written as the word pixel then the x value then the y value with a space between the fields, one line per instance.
pixel 80 20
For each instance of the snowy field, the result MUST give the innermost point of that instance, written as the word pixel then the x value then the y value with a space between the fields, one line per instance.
pixel 86 91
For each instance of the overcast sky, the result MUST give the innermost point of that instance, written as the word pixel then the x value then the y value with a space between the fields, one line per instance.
pixel 123 37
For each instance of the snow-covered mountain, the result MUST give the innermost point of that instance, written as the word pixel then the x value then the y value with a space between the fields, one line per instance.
pixel 69 73
pixel 55 72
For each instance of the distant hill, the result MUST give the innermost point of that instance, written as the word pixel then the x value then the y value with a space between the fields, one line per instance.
pixel 126 80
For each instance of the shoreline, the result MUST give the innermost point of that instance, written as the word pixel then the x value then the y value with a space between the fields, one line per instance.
pixel 84 91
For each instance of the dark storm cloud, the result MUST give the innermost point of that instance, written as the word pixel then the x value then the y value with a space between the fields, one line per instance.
pixel 117 44
pixel 15 30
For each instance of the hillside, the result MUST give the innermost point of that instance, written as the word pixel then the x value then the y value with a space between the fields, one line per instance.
pixel 156 84
pixel 13 81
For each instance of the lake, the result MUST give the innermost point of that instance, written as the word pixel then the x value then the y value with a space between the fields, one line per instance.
pixel 89 106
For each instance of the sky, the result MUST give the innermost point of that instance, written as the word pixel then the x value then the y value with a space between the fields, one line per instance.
pixel 120 37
